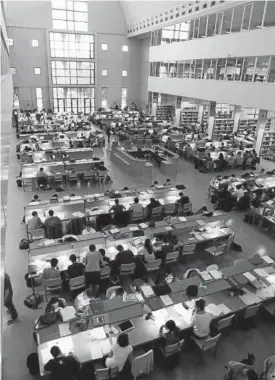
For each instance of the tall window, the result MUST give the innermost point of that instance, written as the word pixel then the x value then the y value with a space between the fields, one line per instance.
pixel 69 99
pixel 123 97
pixel 104 97
pixel 70 45
pixel 39 98
pixel 73 72
pixel 70 15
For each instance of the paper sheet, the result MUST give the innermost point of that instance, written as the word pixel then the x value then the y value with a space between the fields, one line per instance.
pixel 201 222
pixel 168 228
pixel 182 218
pixel 271 279
pixel 46 355
pixel 216 274
pixel 224 308
pixel 186 314
pixel 114 231
pixel 268 259
pixel 64 329
pixel 67 313
pixel 213 309
pixel 249 298
pixel 261 272
pixel 105 347
pixel 78 214
pixel 96 351
pixel 206 276
pixel 114 340
pixel 66 345
pixel 133 228
pixel 166 300
pixel 98 333
pixel 147 291
pixel 143 225
pixel 249 276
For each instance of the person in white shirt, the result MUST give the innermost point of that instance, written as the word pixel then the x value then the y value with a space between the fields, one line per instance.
pixel 88 230
pixel 119 353
pixel 239 193
pixel 201 320
pixel 136 207
pixel 147 251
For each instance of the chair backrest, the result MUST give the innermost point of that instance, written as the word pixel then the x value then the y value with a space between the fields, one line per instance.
pixel 188 249
pixel 53 283
pixel 251 311
pixel 220 250
pixel 110 290
pixel 153 265
pixel 229 242
pixel 212 267
pixel 171 349
pixel 143 364
pixel 105 272
pixel 106 373
pixel 171 257
pixel 88 175
pixel 187 206
pixel 126 269
pixel 169 208
pixel 77 282
pixel 39 233
pixel 192 272
pixel 57 178
pixel 138 215
pixel 157 210
pixel 210 342
pixel 225 322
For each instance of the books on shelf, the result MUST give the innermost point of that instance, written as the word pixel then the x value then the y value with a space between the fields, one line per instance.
pixel 247 125
pixel 221 127
pixel 165 112
pixel 188 115
pixel 268 142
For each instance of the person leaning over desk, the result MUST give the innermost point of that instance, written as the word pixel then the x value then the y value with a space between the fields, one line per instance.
pixel 117 207
pixel 119 353
pixel 62 367
pixel 171 335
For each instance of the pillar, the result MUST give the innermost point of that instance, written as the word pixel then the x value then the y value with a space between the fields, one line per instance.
pixel 260 130
pixel 236 116
pixel 200 112
pixel 211 118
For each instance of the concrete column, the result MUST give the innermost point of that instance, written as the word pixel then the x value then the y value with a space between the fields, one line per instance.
pixel 211 118
pixel 260 130
pixel 236 117
pixel 200 112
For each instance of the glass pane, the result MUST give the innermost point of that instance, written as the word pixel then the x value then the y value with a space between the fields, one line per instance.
pixel 80 6
pixel 246 17
pixel 237 19
pixel 227 18
pixel 270 14
pixel 219 23
pixel 220 74
pixel 196 28
pixel 257 14
pixel 157 69
pixel 58 24
pixel 271 74
pixel 248 69
pixel 186 69
pixel 207 69
pixel 163 70
pixel 38 92
pixel 192 69
pixel 59 15
pixel 198 69
pixel 192 22
pixel 202 30
pixel 81 26
pixel 180 68
pixel 213 69
pixel 80 16
pixel 211 25
pixel 261 69
pixel 230 68
pixel 239 67
pixel 59 4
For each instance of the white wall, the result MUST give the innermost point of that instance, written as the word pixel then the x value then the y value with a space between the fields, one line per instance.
pixel 29 14
pixel 255 95
pixel 243 44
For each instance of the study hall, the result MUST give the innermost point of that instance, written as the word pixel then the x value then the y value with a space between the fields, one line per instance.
pixel 138 190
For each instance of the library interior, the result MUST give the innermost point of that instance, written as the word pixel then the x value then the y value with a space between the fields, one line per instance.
pixel 137 190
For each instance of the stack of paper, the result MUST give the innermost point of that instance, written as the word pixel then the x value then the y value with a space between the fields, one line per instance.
pixel 133 228
pixel 224 309
pixel 249 298
pixel 201 222
pixel 147 291
pixel 64 329
pixel 182 218
pixel 168 228
pixel 143 225
pixel 206 276
pixel 98 333
pixel 268 259
pixel 216 274
pixel 213 309
pixel 67 313
pixel 78 214
pixel 249 276
pixel 48 242
pixel 114 231
pixel 166 300
pixel 271 279
pixel 261 272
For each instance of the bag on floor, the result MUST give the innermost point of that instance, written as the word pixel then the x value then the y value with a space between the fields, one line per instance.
pixel 214 198
pixel 32 364
pixel 24 244
pixel 236 247
pixel 19 182
pixel 33 301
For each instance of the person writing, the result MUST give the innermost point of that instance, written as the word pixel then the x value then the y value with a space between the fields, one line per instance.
pixel 88 230
pixel 201 320
pixel 170 333
pixel 34 222
pixel 53 227
pixel 75 269
pixel 136 207
pixel 62 367
pixel 119 353
pixel 147 251
pixel 117 207
pixel 92 272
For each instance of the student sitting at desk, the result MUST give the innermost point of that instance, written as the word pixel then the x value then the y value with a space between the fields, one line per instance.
pixel 62 367
pixel 104 257
pixel 170 332
pixel 117 207
pixel 147 251
pixel 136 207
pixel 35 222
pixel 53 227
pixel 124 256
pixel 88 230
pixel 75 269
pixel 52 272
pixel 119 353
pixel 240 371
pixel 153 204
pixel 184 199
pixel 167 183
pixel 55 304
pixel 42 178
pixel 203 210
pixel 239 193
pixel 114 291
pixel 201 320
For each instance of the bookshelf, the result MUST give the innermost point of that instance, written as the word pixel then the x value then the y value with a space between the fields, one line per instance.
pixel 165 113
pixel 222 126
pixel 268 141
pixel 268 125
pixel 189 116
pixel 246 125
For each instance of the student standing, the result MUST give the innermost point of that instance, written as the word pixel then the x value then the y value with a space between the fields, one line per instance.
pixel 8 299
pixel 92 271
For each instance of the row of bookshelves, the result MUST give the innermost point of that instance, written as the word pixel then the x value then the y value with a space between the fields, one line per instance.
pixel 268 142
pixel 165 112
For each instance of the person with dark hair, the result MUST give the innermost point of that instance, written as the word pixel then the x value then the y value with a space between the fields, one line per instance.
pixel 225 200
pixel 147 251
pixel 52 272
pixel 124 256
pixel 62 367
pixel 34 222
pixel 53 226
pixel 92 271
pixel 114 291
pixel 75 269
pixel 119 353
pixel 104 257
pixel 183 199
pixel 42 178
pixel 136 206
pixel 202 210
pixel 167 183
pixel 8 299
pixel 55 304
pixel 240 371
pixel 117 207
pixel 239 193
pixel 201 320
pixel 155 184
pixel 153 204
pixel 140 268
pixel 170 332
pixel 35 198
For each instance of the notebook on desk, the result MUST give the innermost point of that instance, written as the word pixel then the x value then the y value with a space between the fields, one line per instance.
pixel 154 303
pixel 98 306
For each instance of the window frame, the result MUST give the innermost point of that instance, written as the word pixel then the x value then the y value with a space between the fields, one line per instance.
pixel 35 69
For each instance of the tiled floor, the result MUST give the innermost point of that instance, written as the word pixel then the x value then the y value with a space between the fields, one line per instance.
pixel 17 339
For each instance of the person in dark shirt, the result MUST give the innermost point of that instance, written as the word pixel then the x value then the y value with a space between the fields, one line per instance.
pixel 225 200
pixel 104 257
pixel 153 204
pixel 184 199
pixel 75 269
pixel 117 208
pixel 62 367
pixel 8 301
pixel 124 256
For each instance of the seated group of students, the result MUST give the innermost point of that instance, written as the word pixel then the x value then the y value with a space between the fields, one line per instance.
pixel 169 334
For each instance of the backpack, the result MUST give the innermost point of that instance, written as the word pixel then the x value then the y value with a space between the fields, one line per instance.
pixel 24 244
pixel 32 301
pixel 19 182
pixel 32 363
pixel 48 318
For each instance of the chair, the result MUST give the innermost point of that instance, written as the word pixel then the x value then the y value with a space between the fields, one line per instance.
pixel 169 209
pixel 171 257
pixel 143 364
pixel 224 323
pixel 140 143
pixel 52 285
pixel 127 269
pixel 192 272
pixel 217 250
pixel 37 234
pixel 88 176
pixel 105 273
pixel 127 144
pixel 212 267
pixel 148 143
pixel 58 180
pixel 28 184
pixel 73 178
pixel 207 344
pixel 156 212
pixel 171 350
pixel 229 242
pixel 187 207
pixel 77 283
pixel 188 249
pixel 137 216
pixel 251 311
pixel 106 373
pixel 153 266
